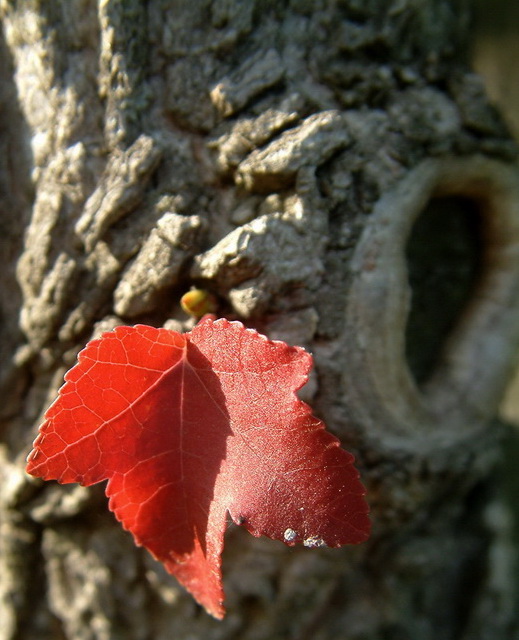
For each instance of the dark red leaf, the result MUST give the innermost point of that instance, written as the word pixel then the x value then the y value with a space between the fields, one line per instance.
pixel 187 428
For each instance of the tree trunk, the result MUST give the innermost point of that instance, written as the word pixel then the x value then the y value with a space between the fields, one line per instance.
pixel 331 171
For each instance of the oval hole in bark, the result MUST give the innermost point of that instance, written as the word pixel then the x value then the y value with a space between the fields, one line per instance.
pixel 444 256
pixel 444 212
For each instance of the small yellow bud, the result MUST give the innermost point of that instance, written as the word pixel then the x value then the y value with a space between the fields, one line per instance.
pixel 198 302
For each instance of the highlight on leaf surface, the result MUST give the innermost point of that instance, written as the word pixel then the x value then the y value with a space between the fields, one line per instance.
pixel 188 428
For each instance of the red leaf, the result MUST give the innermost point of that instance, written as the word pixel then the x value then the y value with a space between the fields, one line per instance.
pixel 186 428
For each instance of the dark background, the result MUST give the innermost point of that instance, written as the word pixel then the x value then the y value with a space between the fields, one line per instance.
pixel 495 52
pixel 495 55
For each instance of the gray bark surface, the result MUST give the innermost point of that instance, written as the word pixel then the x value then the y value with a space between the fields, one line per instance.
pixel 278 154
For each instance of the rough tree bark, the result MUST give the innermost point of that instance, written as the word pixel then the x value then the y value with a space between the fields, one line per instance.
pixel 332 171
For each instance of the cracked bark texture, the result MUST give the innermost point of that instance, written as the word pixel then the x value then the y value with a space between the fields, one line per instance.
pixel 294 158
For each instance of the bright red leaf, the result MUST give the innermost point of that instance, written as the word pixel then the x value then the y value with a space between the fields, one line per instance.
pixel 188 427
